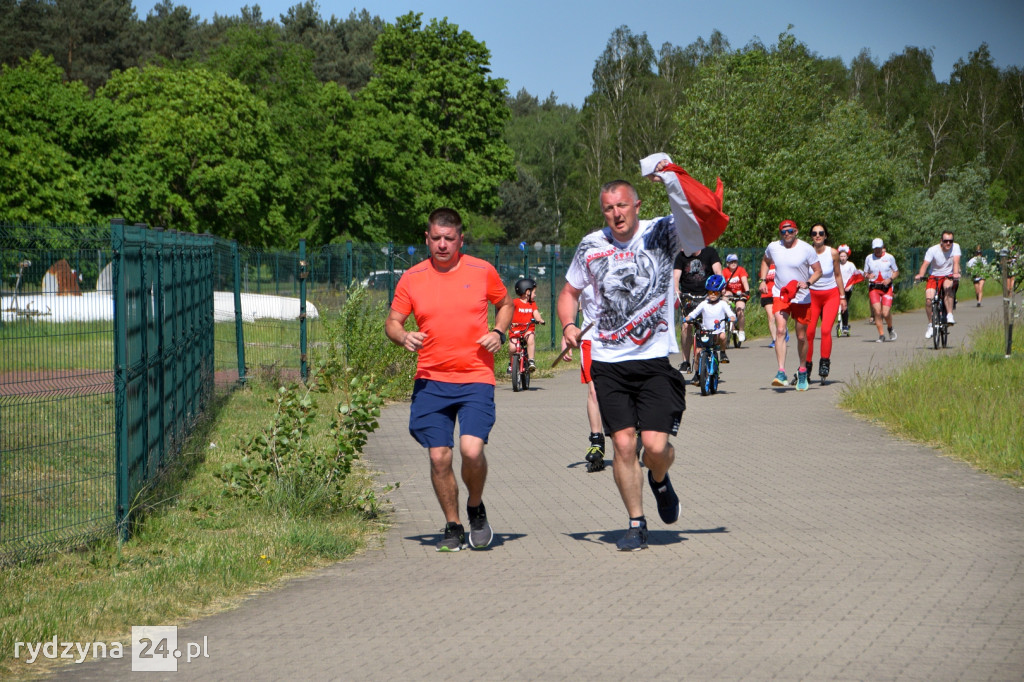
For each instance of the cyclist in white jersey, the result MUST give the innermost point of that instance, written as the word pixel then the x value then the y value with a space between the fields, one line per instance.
pixel 944 261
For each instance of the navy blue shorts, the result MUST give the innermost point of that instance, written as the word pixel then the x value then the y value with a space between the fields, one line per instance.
pixel 437 404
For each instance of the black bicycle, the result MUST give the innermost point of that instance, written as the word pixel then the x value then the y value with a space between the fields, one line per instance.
pixel 940 326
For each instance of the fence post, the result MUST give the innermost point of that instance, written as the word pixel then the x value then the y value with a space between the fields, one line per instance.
pixel 1004 263
pixel 120 377
pixel 239 336
pixel 303 273
pixel 553 315
pixel 390 264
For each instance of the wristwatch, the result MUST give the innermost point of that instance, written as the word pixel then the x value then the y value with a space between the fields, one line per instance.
pixel 501 335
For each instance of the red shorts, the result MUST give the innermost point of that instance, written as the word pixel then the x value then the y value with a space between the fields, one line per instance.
pixel 800 312
pixel 883 296
pixel 934 282
pixel 585 377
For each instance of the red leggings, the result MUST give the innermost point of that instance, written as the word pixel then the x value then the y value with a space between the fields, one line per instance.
pixel 824 304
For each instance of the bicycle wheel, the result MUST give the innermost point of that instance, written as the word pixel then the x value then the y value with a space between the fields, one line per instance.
pixel 517 371
pixel 524 378
pixel 713 375
pixel 945 333
pixel 938 322
pixel 703 370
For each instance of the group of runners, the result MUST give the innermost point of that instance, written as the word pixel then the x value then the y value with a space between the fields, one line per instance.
pixel 625 278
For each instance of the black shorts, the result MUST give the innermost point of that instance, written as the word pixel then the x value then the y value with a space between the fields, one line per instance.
pixel 767 300
pixel 646 394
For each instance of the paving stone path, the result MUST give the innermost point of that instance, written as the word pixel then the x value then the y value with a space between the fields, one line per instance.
pixel 812 545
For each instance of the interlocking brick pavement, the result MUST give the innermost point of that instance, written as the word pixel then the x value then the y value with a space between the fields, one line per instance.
pixel 812 545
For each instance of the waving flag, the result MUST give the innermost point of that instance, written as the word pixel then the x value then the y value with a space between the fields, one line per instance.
pixel 696 209
pixel 857 276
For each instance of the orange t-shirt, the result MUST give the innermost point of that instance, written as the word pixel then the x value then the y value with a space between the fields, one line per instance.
pixel 522 313
pixel 451 309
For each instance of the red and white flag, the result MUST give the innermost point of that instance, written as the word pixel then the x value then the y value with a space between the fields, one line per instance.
pixel 857 276
pixel 697 210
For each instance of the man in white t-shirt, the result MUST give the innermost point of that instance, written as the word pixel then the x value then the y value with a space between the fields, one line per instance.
pixel 796 269
pixel 944 260
pixel 880 271
pixel 625 270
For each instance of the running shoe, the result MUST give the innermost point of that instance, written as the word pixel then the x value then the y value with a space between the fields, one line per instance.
pixel 595 458
pixel 892 335
pixel 772 344
pixel 949 319
pixel 824 365
pixel 787 336
pixel 979 304
pixel 684 366
pixel 846 330
pixel 454 538
pixel 480 533
pixel 929 332
pixel 881 339
pixel 780 379
pixel 792 382
pixel 665 494
pixel 532 367
pixel 634 539
pixel 801 382
pixel 725 358
pixel 743 337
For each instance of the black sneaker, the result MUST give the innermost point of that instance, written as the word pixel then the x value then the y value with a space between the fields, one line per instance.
pixel 668 501
pixel 634 539
pixel 480 533
pixel 532 367
pixel 725 358
pixel 595 458
pixel 684 366
pixel 824 365
pixel 454 538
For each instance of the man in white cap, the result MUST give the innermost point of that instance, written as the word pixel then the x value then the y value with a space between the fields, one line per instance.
pixel 880 271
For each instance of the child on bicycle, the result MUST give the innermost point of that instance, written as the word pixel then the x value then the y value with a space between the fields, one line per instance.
pixel 524 314
pixel 713 310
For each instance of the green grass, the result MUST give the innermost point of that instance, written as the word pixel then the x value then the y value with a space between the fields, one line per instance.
pixel 194 551
pixel 968 403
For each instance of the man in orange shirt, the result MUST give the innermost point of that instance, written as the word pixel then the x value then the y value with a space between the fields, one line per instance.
pixel 448 295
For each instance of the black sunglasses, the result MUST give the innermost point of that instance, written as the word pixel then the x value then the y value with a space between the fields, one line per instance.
pixel 947 241
pixel 819 233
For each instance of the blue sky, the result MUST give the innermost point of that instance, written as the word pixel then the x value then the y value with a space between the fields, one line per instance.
pixel 551 46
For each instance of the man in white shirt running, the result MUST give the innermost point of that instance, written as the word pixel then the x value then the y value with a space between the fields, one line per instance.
pixel 880 271
pixel 944 260
pixel 796 269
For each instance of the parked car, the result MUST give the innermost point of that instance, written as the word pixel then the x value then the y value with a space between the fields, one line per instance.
pixel 378 279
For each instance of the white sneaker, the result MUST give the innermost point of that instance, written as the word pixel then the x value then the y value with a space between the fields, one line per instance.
pixel 742 337
pixel 929 332
pixel 949 319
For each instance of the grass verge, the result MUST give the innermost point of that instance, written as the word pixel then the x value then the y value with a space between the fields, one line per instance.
pixel 194 552
pixel 968 404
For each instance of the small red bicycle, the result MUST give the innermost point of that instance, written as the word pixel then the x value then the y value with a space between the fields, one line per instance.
pixel 518 357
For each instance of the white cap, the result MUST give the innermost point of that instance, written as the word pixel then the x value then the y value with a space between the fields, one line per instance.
pixel 877 243
pixel 648 163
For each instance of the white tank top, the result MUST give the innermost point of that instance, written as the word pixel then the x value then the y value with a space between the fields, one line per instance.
pixel 828 271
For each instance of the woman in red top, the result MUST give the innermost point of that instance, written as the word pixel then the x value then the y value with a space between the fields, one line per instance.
pixel 766 301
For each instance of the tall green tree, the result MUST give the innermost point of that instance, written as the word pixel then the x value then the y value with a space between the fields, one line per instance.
pixel 433 119
pixel 198 154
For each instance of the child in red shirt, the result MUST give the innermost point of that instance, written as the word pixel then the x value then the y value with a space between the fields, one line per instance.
pixel 524 313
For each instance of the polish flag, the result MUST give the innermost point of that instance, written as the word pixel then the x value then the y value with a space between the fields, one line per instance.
pixel 697 210
pixel 857 276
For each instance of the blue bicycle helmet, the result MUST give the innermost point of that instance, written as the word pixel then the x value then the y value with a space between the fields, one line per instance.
pixel 715 283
